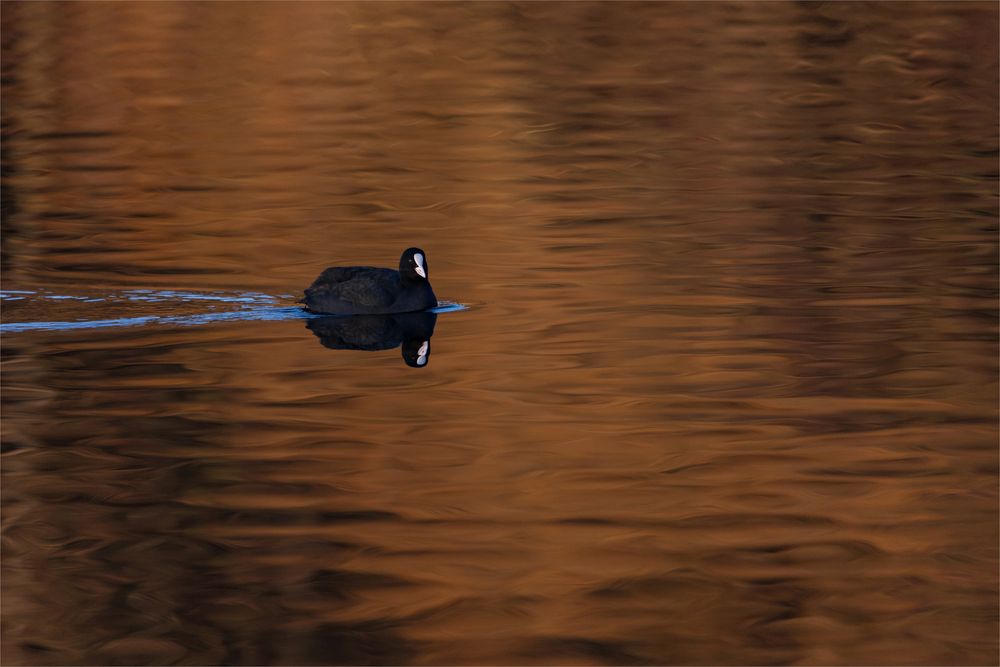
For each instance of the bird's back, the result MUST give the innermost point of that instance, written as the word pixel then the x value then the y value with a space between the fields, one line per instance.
pixel 352 290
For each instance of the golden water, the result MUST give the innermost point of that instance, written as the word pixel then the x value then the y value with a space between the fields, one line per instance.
pixel 724 390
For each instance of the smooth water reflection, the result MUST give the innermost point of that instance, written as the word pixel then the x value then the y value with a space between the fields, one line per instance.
pixel 411 331
pixel 726 395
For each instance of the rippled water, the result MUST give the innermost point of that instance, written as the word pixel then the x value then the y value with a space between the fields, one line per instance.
pixel 714 383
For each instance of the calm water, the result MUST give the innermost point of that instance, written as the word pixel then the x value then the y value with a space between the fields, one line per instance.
pixel 715 381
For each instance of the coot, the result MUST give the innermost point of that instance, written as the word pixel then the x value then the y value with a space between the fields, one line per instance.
pixel 366 290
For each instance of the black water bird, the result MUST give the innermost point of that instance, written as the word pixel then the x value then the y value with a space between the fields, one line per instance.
pixel 366 290
pixel 379 332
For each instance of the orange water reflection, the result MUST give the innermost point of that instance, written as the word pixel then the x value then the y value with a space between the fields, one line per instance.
pixel 725 392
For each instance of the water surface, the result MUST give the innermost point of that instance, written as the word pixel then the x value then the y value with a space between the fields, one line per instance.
pixel 724 391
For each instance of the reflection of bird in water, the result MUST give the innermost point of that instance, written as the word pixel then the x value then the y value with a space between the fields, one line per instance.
pixel 379 332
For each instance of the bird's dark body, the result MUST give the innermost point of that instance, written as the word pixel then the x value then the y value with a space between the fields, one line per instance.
pixel 366 290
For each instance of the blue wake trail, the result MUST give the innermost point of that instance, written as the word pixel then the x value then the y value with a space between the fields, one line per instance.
pixel 219 307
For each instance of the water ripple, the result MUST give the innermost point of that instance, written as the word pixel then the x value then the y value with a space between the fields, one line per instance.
pixel 252 306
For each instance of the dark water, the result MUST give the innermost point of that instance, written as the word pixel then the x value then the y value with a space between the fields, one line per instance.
pixel 715 383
